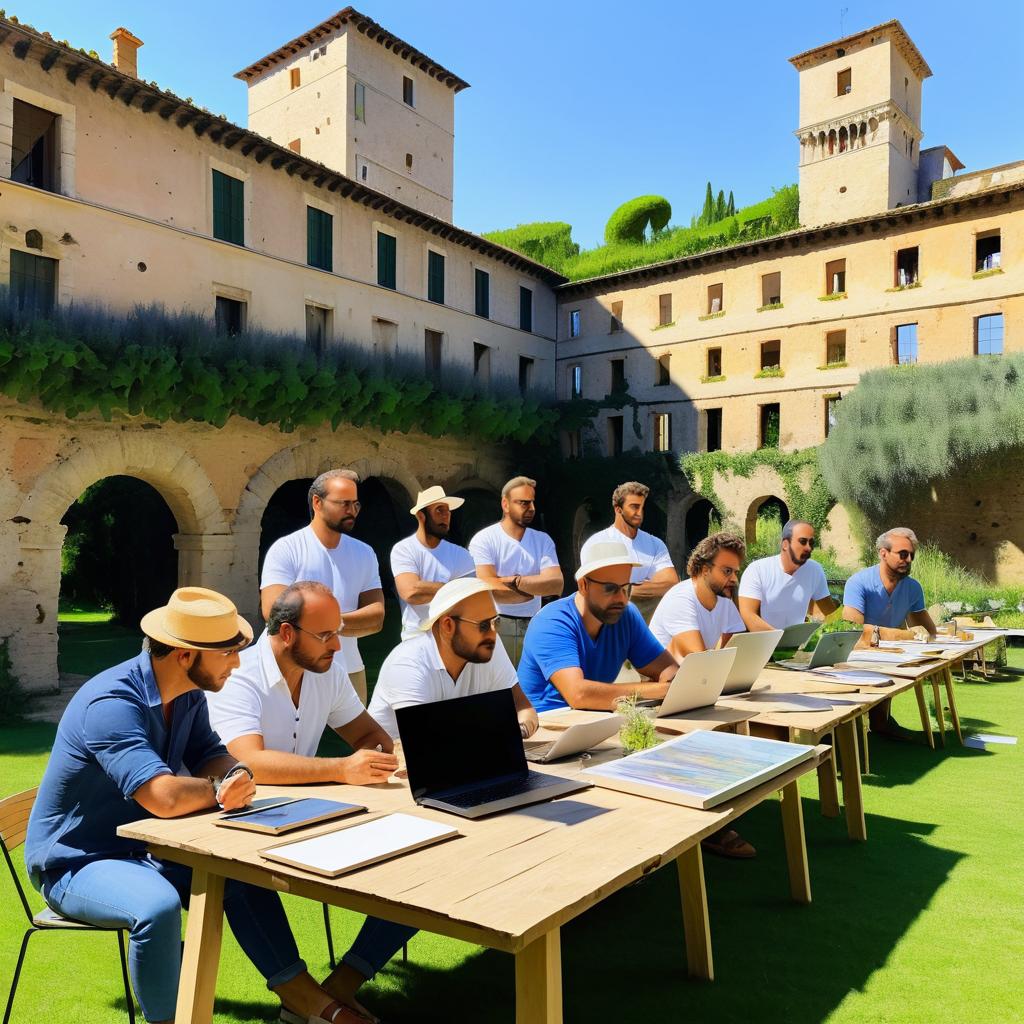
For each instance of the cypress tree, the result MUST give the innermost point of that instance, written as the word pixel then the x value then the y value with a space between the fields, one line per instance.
pixel 720 206
pixel 730 210
pixel 708 213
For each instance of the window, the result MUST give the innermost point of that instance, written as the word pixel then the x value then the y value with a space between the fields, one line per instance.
pixel 295 145
pixel 664 376
pixel 481 363
pixel 616 323
pixel 714 362
pixel 713 429
pixel 618 375
pixel 835 347
pixel 771 355
pixel 435 277
pixel 906 267
pixel 387 260
pixel 906 344
pixel 831 409
pixel 662 432
pixel 432 343
pixel 576 381
pixel 228 208
pixel 525 309
pixel 385 337
pixel 34 147
pixel 844 82
pixel 987 251
pixel 408 161
pixel 988 335
pixel 296 78
pixel 318 325
pixel 525 374
pixel 715 301
pixel 771 289
pixel 835 277
pixel 614 435
pixel 664 310
pixel 574 323
pixel 362 170
pixel 482 293
pixel 408 92
pixel 33 282
pixel 769 426
pixel 573 444
pixel 229 316
pixel 359 104
pixel 319 239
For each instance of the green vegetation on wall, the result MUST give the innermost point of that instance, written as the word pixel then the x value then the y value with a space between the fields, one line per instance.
pixel 547 242
pixel 631 221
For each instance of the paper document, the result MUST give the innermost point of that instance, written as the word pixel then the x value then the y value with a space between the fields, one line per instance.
pixel 853 677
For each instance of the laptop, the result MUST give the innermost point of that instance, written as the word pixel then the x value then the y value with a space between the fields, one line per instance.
pixel 798 634
pixel 466 756
pixel 573 740
pixel 699 681
pixel 752 653
pixel 831 649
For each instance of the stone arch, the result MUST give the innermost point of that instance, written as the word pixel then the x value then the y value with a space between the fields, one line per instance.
pixel 750 526
pixel 831 141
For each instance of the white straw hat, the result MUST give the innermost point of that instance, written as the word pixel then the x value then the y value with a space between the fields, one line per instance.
pixel 435 496
pixel 452 593
pixel 197 619
pixel 602 555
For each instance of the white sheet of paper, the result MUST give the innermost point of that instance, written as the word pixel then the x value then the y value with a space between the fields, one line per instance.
pixel 852 677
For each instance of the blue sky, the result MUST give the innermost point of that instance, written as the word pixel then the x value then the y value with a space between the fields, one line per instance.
pixel 577 106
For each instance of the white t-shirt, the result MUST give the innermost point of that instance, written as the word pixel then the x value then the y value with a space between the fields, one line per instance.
pixel 784 598
pixel 510 557
pixel 349 570
pixel 413 673
pixel 256 700
pixel 432 565
pixel 644 548
pixel 680 611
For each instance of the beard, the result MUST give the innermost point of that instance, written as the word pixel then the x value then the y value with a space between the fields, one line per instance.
pixel 725 590
pixel 201 679
pixel 522 519
pixel 340 524
pixel 477 654
pixel 319 663
pixel 435 529
pixel 609 614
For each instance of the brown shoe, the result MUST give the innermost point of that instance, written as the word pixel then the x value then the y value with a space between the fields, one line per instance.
pixel 729 843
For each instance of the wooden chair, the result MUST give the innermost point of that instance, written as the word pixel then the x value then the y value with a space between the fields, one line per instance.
pixel 14 812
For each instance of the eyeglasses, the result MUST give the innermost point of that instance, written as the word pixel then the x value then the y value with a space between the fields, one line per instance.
pixel 726 570
pixel 484 625
pixel 807 542
pixel 610 589
pixel 344 504
pixel 324 638
pixel 525 502
pixel 905 555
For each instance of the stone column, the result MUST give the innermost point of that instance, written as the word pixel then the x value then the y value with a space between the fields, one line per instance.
pixel 218 561
pixel 32 613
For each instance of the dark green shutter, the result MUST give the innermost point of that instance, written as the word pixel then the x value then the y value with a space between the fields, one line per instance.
pixel 33 281
pixel 228 208
pixel 525 309
pixel 319 239
pixel 435 276
pixel 386 258
pixel 483 293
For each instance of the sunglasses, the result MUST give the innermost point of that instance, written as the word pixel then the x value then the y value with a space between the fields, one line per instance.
pixel 484 625
pixel 807 542
pixel 905 555
pixel 610 589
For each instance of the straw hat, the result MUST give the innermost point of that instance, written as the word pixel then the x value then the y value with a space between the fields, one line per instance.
pixel 197 619
pixel 452 593
pixel 603 555
pixel 435 496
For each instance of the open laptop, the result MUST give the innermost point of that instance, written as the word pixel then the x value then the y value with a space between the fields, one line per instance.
pixel 465 756
pixel 830 650
pixel 798 634
pixel 573 740
pixel 699 681
pixel 752 653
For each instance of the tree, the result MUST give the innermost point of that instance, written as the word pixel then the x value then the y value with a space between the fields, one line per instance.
pixel 730 210
pixel 720 206
pixel 708 213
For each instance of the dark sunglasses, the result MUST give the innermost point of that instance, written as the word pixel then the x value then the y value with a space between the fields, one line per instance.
pixel 807 542
pixel 610 589
pixel 905 555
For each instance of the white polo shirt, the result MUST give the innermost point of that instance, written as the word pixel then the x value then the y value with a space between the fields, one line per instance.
pixel 413 673
pixel 644 548
pixel 510 557
pixel 350 569
pixel 256 700
pixel 784 598
pixel 680 611
pixel 433 565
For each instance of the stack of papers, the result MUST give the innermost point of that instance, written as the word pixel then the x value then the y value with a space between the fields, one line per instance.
pixel 853 676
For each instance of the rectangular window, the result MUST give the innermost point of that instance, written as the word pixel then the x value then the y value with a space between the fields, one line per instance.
pixel 482 293
pixel 664 370
pixel 906 344
pixel 835 277
pixel 769 426
pixel 229 316
pixel 525 309
pixel 616 322
pixel 573 443
pixel 359 104
pixel 618 375
pixel 574 323
pixel 525 374
pixel 34 147
pixel 714 362
pixel 481 363
pixel 435 277
pixel 385 337
pixel 987 251
pixel 906 267
pixel 408 92
pixel 831 408
pixel 33 282
pixel 319 239
pixel 835 347
pixel 771 289
pixel 295 77
pixel 664 310
pixel 387 260
pixel 228 208
pixel 771 355
pixel 576 381
pixel 715 299
pixel 318 322
pixel 844 82
pixel 614 435
pixel 432 343
pixel 713 429
pixel 988 335
pixel 662 432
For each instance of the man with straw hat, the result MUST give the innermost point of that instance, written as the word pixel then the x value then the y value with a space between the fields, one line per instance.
pixel 119 748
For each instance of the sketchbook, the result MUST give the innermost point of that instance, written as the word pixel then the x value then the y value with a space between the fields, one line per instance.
pixel 279 816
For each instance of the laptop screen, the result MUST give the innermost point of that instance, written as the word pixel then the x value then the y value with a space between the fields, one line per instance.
pixel 456 742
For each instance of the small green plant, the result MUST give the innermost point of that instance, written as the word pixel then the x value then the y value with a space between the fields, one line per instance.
pixel 715 379
pixel 637 732
pixel 661 327
pixel 987 273
pixel 837 365
pixel 768 306
pixel 13 699
pixel 712 316
pixel 833 297
pixel 770 371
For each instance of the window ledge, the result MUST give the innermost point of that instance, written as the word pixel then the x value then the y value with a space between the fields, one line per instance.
pixel 834 297
pixel 661 327
pixel 712 316
pixel 904 287
pixel 770 371
pixel 987 273
pixel 769 306
pixel 713 380
pixel 834 366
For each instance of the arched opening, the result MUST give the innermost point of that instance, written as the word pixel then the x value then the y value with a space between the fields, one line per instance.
pixel 287 511
pixel 698 521
pixel 765 519
pixel 831 142
pixel 843 137
pixel 482 508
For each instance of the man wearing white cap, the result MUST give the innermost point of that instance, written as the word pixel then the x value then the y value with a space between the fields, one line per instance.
pixel 520 560
pixel 456 654
pixel 575 647
pixel 424 562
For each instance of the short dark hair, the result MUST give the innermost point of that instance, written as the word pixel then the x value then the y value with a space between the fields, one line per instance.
pixel 155 648
pixel 623 491
pixel 318 488
pixel 707 550
pixel 288 605
pixel 791 525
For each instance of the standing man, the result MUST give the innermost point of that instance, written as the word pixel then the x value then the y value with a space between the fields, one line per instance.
pixel 521 561
pixel 654 572
pixel 780 591
pixel 424 562
pixel 325 551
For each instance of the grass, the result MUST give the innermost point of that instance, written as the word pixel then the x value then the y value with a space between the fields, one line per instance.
pixel 920 920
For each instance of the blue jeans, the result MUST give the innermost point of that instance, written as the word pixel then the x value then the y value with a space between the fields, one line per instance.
pixel 145 896
pixel 377 942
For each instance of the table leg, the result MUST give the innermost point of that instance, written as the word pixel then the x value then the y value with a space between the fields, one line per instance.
pixel 926 720
pixel 696 925
pixel 202 949
pixel 937 695
pixel 828 790
pixel 796 844
pixel 539 981
pixel 853 796
pixel 863 720
pixel 953 713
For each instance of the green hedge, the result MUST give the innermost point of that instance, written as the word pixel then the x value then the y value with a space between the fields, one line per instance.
pixel 630 221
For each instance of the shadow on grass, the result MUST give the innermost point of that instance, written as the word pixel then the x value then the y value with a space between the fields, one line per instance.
pixel 27 739
pixel 85 648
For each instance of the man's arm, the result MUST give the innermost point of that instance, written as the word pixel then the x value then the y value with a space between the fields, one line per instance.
pixel 503 592
pixel 820 609
pixel 661 582
pixel 412 590
pixel 279 768
pixel 884 632
pixel 690 642
pixel 526 712
pixel 750 612
pixel 368 618
pixel 587 694
pixel 171 796
pixel 363 733
pixel 268 595
pixel 922 618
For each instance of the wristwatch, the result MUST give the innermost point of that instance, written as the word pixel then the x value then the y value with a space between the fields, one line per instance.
pixel 876 636
pixel 216 783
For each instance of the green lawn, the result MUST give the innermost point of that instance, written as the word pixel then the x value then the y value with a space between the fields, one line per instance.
pixel 920 923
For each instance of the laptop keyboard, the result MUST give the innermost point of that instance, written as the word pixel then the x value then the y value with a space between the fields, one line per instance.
pixel 499 791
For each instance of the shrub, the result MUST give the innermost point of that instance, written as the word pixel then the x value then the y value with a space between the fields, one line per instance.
pixel 630 221
pixel 547 242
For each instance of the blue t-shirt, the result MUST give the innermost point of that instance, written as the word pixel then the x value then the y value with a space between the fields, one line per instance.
pixel 865 592
pixel 111 740
pixel 557 639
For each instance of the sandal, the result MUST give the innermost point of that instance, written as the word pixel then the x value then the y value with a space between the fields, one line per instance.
pixel 333 1013
pixel 729 844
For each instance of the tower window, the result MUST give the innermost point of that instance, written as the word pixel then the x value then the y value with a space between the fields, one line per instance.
pixel 408 161
pixel 844 82
pixel 296 78
pixel 408 92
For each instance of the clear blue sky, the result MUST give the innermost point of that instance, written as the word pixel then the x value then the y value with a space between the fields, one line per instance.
pixel 577 106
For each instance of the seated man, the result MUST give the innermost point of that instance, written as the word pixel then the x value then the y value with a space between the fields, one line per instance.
pixel 119 748
pixel 575 647
pixel 456 655
pixel 272 712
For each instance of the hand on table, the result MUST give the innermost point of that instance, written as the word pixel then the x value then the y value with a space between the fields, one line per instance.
pixel 367 768
pixel 236 791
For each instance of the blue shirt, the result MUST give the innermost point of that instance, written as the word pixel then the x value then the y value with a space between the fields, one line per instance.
pixel 557 639
pixel 865 592
pixel 111 740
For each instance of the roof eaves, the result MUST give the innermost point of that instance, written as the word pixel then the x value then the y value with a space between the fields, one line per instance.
pixel 899 33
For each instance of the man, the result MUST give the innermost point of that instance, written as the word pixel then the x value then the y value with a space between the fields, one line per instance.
pixel 575 647
pixel 424 562
pixel 455 655
pixel 780 591
pixel 119 749
pixel 520 560
pixel 654 572
pixel 326 551
pixel 272 712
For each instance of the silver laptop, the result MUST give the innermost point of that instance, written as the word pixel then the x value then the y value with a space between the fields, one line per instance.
pixel 830 650
pixel 699 681
pixel 752 653
pixel 573 740
pixel 798 634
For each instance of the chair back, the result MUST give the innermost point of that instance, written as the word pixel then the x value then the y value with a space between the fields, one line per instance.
pixel 14 812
